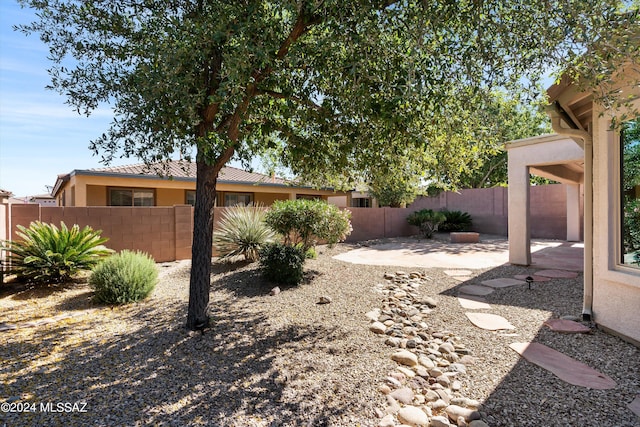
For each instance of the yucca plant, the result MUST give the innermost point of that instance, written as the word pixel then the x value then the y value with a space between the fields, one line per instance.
pixel 242 231
pixel 48 254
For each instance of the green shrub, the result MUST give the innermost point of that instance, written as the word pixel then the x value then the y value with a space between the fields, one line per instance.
pixel 455 221
pixel 311 253
pixel 48 254
pixel 124 277
pixel 242 231
pixel 308 221
pixel 282 263
pixel 427 221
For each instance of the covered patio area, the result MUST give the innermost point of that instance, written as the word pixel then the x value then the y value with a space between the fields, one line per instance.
pixel 555 157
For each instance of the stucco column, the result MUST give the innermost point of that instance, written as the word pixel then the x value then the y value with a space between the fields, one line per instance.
pixel 519 228
pixel 573 212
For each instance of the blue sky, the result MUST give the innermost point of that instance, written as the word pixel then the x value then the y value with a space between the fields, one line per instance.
pixel 40 136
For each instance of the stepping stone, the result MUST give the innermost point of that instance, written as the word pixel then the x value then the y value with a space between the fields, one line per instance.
pixel 635 405
pixel 557 274
pixel 490 322
pixel 566 326
pixel 502 282
pixel 563 366
pixel 473 304
pixel 474 290
pixel 535 277
pixel 458 272
pixel 462 278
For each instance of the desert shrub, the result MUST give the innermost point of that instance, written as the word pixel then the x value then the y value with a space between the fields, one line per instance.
pixel 306 222
pixel 125 277
pixel 282 263
pixel 455 221
pixel 311 253
pixel 242 231
pixel 48 254
pixel 427 221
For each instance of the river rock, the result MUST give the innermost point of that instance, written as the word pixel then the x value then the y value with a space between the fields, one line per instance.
pixel 387 421
pixel 439 421
pixel 454 411
pixel 373 314
pixel 403 395
pixel 274 291
pixel 413 416
pixel 405 357
pixel 392 405
pixel 426 362
pixel 406 371
pixel 384 389
pixel 377 328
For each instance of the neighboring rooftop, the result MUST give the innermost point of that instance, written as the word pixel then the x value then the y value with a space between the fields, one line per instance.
pixel 178 170
pixel 187 170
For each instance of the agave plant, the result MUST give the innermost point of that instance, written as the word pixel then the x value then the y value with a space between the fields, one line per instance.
pixel 48 254
pixel 242 231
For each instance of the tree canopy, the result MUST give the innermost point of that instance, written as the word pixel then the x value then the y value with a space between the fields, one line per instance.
pixel 344 84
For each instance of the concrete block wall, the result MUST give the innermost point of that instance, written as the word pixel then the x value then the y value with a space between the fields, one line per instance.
pixel 166 232
pixel 163 232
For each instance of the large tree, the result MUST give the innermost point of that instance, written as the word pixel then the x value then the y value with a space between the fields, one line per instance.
pixel 217 79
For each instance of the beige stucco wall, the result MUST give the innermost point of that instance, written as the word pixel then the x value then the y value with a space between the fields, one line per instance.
pixel 616 288
pixel 170 196
pixel 267 199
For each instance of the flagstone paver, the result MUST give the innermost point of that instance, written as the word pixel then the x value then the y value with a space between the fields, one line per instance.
pixel 566 326
pixel 490 322
pixel 503 282
pixel 458 272
pixel 473 304
pixel 557 274
pixel 634 405
pixel 563 366
pixel 535 277
pixel 462 278
pixel 475 290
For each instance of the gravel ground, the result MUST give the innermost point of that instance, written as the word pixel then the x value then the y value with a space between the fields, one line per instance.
pixel 284 360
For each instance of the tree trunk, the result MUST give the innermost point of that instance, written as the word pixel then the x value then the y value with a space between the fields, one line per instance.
pixel 201 250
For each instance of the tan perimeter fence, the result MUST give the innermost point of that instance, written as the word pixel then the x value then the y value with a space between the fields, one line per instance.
pixel 166 232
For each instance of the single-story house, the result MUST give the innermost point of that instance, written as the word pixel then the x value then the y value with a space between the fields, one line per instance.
pixel 140 185
pixel 587 152
pixel 43 200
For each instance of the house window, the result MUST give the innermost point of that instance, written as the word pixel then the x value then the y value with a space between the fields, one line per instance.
pixel 630 192
pixel 233 199
pixel 308 197
pixel 131 197
pixel 360 202
pixel 190 197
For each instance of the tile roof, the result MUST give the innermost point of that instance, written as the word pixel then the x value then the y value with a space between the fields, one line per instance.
pixel 187 170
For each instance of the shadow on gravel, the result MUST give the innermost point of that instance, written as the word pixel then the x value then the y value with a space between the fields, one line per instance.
pixel 25 291
pixel 159 373
pixel 531 396
pixel 246 280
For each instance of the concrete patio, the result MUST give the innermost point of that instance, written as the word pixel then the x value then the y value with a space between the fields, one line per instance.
pixel 438 252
